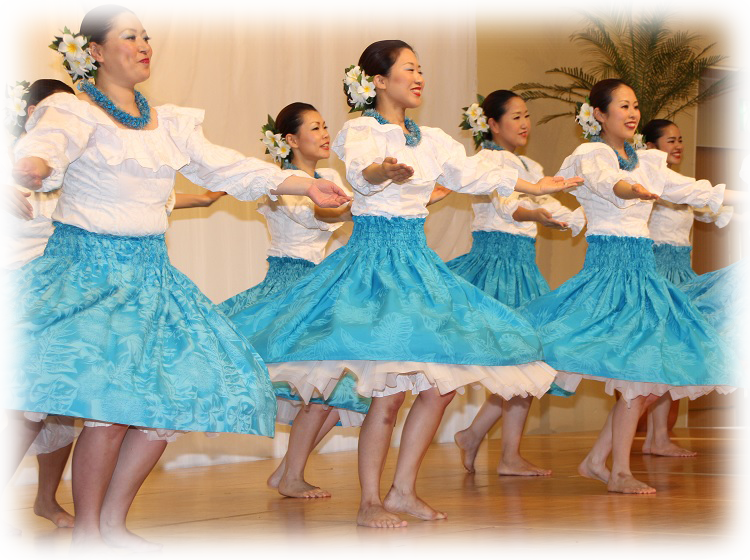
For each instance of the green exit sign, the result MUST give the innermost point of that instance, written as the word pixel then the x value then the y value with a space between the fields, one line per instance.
pixel 744 115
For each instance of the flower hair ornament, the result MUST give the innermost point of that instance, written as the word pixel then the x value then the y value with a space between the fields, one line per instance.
pixel 275 145
pixel 15 106
pixel 475 120
pixel 359 89
pixel 585 118
pixel 77 59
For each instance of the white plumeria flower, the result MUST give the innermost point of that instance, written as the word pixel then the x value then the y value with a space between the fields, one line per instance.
pixel 595 127
pixel 357 98
pixel 638 143
pixel 586 113
pixel 16 91
pixel 15 106
pixel 474 112
pixel 352 76
pixel 284 151
pixel 72 46
pixel 77 66
pixel 480 125
pixel 366 89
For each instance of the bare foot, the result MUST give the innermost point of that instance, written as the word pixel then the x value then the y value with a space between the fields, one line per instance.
pixel 397 502
pixel 375 515
pixel 589 469
pixel 55 513
pixel 627 484
pixel 668 450
pixel 468 447
pixel 83 541
pixel 92 549
pixel 8 530
pixel 275 478
pixel 518 466
pixel 300 489
pixel 120 537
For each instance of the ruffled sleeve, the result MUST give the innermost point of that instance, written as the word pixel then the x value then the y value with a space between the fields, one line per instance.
pixel 598 165
pixel 362 142
pixel 482 173
pixel 506 206
pixel 745 169
pixel 58 132
pixel 217 168
pixel 720 219
pixel 686 190
pixel 575 219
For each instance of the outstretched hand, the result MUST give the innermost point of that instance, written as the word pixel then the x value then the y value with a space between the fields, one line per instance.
pixel 639 191
pixel 17 205
pixel 327 194
pixel 29 172
pixel 548 185
pixel 545 218
pixel 395 171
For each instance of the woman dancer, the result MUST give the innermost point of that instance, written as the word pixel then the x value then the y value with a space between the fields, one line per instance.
pixel 385 306
pixel 618 321
pixel 670 226
pixel 502 260
pixel 110 331
pixel 299 232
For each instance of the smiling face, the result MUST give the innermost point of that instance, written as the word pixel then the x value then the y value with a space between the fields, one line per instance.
pixel 511 131
pixel 125 55
pixel 622 116
pixel 404 83
pixel 312 140
pixel 670 142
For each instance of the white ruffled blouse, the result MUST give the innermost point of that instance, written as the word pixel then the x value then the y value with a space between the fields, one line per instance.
pixel 295 231
pixel 118 180
pixel 608 214
pixel 438 158
pixel 495 212
pixel 672 223
pixel 29 237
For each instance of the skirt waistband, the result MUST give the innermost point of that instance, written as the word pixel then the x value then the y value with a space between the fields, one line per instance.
pixel 501 243
pixel 672 255
pixel 73 241
pixel 619 252
pixel 378 231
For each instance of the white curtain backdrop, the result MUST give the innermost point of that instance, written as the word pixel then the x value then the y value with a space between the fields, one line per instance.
pixel 240 65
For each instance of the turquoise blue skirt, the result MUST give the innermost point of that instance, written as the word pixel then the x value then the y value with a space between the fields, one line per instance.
pixel 502 265
pixel 110 331
pixel 619 319
pixel 673 263
pixel 723 296
pixel 387 297
pixel 284 272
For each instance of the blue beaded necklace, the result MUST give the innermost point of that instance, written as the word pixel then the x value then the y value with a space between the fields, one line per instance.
pixel 491 145
pixel 118 114
pixel 414 136
pixel 625 164
pixel 289 165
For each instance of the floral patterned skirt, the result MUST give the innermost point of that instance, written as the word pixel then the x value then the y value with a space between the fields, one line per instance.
pixel 620 322
pixel 723 296
pixel 673 262
pixel 387 309
pixel 502 265
pixel 108 330
pixel 284 272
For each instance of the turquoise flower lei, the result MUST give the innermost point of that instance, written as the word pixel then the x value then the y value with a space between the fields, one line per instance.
pixel 625 164
pixel 118 114
pixel 288 165
pixel 414 136
pixel 490 145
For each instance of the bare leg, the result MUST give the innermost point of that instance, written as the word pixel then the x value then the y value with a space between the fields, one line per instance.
pixel 51 467
pixel 331 420
pixel 595 464
pixel 137 457
pixel 94 460
pixel 305 428
pixel 657 436
pixel 624 423
pixel 469 440
pixel 419 429
pixel 515 412
pixel 374 441
pixel 15 441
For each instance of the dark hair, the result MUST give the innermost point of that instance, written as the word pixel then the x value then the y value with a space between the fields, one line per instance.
pixel 494 106
pixel 601 94
pixel 39 90
pixel 654 130
pixel 377 59
pixel 98 21
pixel 289 118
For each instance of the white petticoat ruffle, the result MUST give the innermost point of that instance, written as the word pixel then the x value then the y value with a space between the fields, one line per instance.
pixel 379 379
pixel 631 389
pixel 287 411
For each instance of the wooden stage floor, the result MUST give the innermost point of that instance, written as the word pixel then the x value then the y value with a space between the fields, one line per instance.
pixel 229 506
